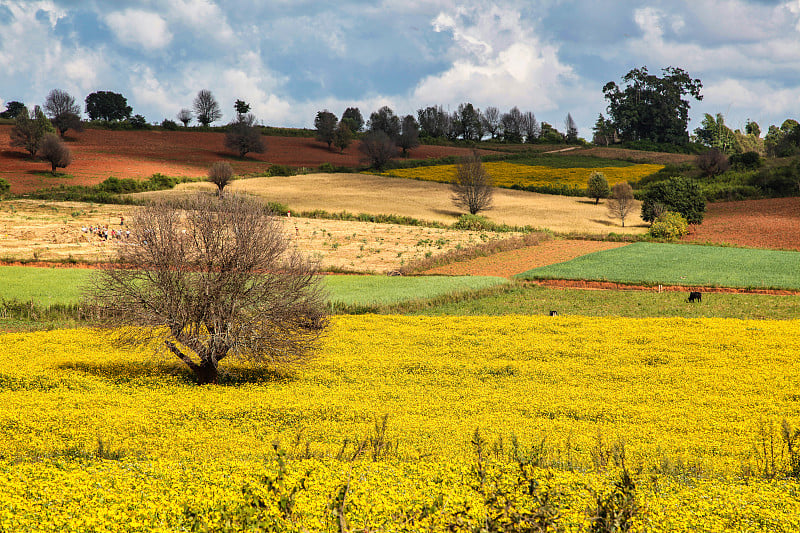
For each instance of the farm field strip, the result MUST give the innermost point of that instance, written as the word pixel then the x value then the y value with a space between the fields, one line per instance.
pixel 562 379
pixel 49 286
pixel 678 264
pixel 505 174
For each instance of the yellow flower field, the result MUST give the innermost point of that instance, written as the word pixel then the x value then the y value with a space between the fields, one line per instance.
pixel 94 438
pixel 507 174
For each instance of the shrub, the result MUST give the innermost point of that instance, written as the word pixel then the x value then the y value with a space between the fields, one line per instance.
pixel 138 122
pixel 220 174
pixel 712 162
pixel 678 194
pixel 55 151
pixel 281 170
pixel 4 187
pixel 746 161
pixel 170 125
pixel 669 225
pixel 474 223
pixel 598 187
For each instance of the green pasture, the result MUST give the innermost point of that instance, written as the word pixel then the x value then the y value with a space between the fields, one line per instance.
pixel 680 264
pixel 62 286
pixel 527 299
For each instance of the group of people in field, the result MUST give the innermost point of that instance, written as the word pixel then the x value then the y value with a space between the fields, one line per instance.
pixel 106 233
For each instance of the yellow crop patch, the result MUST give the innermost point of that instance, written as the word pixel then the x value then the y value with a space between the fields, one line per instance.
pixel 507 174
pixel 95 438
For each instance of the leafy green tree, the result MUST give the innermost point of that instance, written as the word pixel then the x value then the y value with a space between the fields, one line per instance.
pixel 206 108
pixel 13 108
pixel 352 117
pixel 409 135
pixel 603 131
pixel 64 113
pixel 433 121
pixel 243 136
pixel 752 128
pixel 29 130
pixel 325 122
pixel 598 187
pixel 107 105
pixel 678 194
pixel 715 134
pixel 783 141
pixel 550 134
pixel 342 137
pixel 4 187
pixel 386 121
pixel 241 107
pixel 652 108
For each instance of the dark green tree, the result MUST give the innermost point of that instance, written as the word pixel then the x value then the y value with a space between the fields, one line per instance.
pixel 752 128
pixel 29 130
pixel 409 136
pixel 550 135
pixel 325 124
pixel 467 122
pixel 13 108
pixel 652 108
pixel 598 187
pixel 677 194
pixel 64 113
pixel 107 105
pixel 386 121
pixel 243 136
pixel 378 148
pixel 603 131
pixel 241 107
pixel 433 121
pixel 352 117
pixel 342 137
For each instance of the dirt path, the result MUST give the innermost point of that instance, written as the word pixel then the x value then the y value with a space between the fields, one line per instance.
pixel 507 264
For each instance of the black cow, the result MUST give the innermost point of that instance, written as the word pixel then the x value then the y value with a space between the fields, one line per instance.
pixel 553 313
pixel 695 297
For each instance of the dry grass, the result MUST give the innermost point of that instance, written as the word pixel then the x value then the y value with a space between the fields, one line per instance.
pixel 52 231
pixel 362 193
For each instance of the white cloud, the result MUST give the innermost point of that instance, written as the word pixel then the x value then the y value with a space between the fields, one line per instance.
pixel 137 28
pixel 202 17
pixel 497 59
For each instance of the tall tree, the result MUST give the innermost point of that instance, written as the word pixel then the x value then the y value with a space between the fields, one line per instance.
pixel 107 105
pixel 378 148
pixel 603 131
pixel 386 121
pixel 13 108
pixel 29 130
pixel 571 129
pixel 211 278
pixel 409 135
pixel 64 113
pixel 352 117
pixel 206 107
pixel 652 108
pixel 490 119
pixel 530 127
pixel 325 124
pixel 715 134
pixel 432 121
pixel 342 137
pixel 752 128
pixel 512 125
pixel 467 122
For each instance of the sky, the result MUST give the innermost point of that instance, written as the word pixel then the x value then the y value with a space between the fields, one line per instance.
pixel 291 58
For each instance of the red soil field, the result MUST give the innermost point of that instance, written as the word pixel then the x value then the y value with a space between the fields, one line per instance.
pixel 770 223
pixel 98 154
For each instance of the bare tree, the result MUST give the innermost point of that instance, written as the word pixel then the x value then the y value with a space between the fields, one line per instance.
pixel 243 136
pixel 472 186
pixel 621 202
pixel 211 278
pixel 64 113
pixel 185 116
pixel 206 107
pixel 220 174
pixel 530 126
pixel 378 148
pixel 490 118
pixel 53 149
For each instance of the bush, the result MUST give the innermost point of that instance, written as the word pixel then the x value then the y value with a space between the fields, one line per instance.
pixel 138 122
pixel 780 181
pixel 170 125
pixel 4 187
pixel 474 223
pixel 678 194
pixel 281 170
pixel 669 225
pixel 712 162
pixel 746 161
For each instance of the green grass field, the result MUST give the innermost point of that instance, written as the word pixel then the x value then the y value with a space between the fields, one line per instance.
pixel 534 300
pixel 58 286
pixel 679 264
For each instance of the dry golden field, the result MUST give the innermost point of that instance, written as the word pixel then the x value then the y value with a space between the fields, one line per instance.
pixel 53 231
pixel 363 193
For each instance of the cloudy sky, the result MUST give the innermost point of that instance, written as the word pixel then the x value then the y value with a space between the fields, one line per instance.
pixel 291 58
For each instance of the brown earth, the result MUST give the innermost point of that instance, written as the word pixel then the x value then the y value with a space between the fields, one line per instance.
pixel 98 154
pixel 507 264
pixel 771 223
pixel 31 230
pixel 639 156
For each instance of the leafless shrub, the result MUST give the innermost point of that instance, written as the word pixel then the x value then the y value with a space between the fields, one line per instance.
pixel 243 136
pixel 621 202
pixel 220 174
pixel 472 187
pixel 378 148
pixel 712 162
pixel 210 278
pixel 54 150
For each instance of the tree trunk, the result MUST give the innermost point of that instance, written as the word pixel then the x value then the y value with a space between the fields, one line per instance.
pixel 206 373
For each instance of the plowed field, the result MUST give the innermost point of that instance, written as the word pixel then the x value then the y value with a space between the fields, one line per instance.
pixel 772 223
pixel 98 154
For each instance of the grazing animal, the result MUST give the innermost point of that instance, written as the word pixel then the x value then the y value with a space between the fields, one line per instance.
pixel 695 297
pixel 553 313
